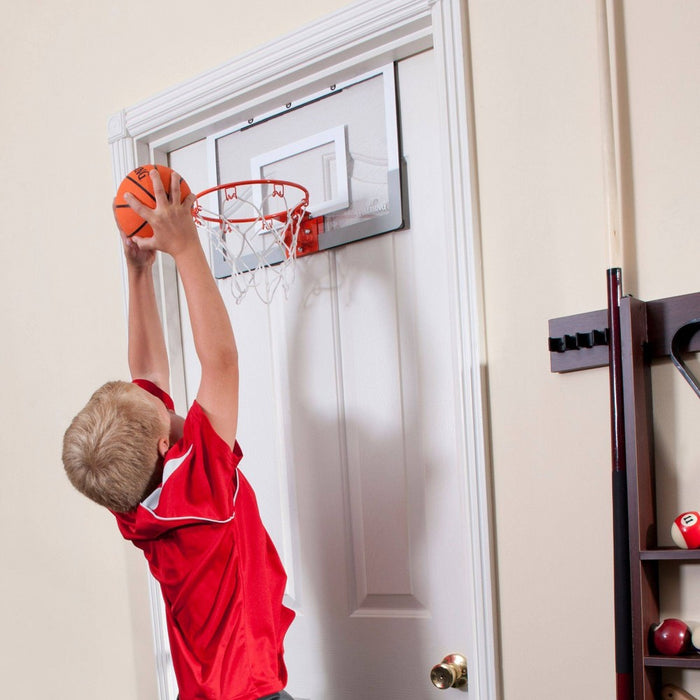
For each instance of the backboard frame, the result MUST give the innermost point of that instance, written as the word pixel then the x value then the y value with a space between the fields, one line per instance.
pixel 390 215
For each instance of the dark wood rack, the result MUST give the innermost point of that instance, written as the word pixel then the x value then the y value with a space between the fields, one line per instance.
pixel 580 342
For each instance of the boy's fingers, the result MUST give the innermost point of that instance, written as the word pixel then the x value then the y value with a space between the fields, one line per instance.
pixel 139 207
pixel 131 245
pixel 143 243
pixel 158 189
pixel 174 187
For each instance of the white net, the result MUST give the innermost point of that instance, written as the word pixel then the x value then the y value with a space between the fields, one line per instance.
pixel 254 226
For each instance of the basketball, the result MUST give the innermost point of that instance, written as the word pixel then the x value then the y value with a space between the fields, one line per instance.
pixel 139 183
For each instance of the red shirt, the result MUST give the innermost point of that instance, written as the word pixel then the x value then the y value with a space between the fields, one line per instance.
pixel 221 577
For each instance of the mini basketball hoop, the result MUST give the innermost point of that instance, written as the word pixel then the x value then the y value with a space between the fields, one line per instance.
pixel 259 227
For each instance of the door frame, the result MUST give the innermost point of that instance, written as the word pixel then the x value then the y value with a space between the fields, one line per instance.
pixel 362 36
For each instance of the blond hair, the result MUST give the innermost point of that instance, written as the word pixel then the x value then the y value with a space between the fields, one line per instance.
pixel 110 450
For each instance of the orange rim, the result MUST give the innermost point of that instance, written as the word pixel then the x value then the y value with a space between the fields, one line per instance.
pixel 280 215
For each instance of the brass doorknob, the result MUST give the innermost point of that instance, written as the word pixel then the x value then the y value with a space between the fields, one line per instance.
pixel 451 673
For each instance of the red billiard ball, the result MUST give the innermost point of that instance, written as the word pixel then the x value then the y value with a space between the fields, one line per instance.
pixel 671 637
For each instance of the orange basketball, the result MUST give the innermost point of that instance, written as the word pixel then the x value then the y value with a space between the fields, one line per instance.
pixel 139 183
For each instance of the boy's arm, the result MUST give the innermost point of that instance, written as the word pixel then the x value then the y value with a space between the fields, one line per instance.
pixel 147 354
pixel 176 234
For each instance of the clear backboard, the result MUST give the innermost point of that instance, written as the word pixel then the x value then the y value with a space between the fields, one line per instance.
pixel 341 144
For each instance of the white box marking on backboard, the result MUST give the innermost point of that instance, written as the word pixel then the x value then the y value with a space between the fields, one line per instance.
pixel 331 192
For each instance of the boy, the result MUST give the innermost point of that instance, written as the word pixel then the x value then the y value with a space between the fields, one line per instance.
pixel 174 485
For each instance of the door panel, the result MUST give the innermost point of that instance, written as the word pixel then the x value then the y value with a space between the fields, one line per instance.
pixel 350 426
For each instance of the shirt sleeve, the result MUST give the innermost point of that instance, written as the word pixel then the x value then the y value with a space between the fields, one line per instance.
pixel 154 389
pixel 200 478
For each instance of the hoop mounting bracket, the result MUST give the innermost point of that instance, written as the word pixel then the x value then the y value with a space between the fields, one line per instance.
pixel 307 238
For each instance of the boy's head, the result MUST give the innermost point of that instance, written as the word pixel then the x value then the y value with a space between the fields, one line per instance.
pixel 113 449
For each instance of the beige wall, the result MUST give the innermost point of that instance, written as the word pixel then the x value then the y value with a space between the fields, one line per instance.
pixel 74 610
pixel 545 253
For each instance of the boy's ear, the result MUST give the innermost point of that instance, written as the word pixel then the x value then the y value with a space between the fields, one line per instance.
pixel 163 446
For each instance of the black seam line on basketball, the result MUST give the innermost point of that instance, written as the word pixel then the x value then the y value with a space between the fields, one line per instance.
pixel 140 186
pixel 133 233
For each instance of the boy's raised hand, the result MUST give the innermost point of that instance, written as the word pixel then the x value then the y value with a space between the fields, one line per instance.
pixel 173 227
pixel 136 257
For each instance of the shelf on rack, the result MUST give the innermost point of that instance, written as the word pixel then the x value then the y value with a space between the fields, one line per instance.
pixel 686 661
pixel 670 554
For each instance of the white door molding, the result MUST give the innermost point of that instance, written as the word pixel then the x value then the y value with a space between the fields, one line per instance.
pixel 360 37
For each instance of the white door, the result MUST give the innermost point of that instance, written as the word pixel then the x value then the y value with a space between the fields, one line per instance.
pixel 350 427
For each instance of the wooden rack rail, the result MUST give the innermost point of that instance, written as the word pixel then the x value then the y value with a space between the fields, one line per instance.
pixel 647 330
